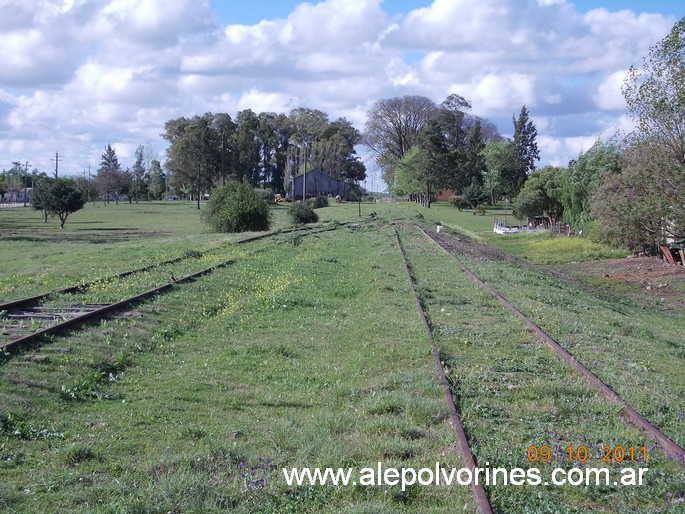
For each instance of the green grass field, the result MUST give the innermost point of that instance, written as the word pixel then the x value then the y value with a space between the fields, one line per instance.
pixel 307 350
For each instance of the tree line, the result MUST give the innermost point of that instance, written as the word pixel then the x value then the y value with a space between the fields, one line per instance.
pixel 265 150
pixel 627 190
pixel 422 148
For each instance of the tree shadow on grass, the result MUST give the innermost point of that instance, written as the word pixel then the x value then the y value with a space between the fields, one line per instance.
pixel 115 229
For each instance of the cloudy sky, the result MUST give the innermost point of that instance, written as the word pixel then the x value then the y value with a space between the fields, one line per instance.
pixel 76 75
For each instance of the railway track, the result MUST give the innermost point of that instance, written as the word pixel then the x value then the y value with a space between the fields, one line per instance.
pixel 668 445
pixel 670 448
pixel 32 300
pixel 17 325
pixel 29 320
pixel 482 501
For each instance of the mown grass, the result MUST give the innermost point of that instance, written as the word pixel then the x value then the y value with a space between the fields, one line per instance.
pixel 99 241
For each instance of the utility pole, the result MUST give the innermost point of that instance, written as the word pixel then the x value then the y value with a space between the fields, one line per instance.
pixel 26 173
pixel 57 159
pixel 89 185
pixel 223 158
pixel 304 177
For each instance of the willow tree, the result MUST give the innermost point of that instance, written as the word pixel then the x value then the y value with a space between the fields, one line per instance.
pixel 644 203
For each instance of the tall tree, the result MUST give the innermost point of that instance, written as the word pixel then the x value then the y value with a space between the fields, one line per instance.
pixel 392 128
pixel 284 128
pixel 268 141
pixel 474 162
pixel 413 175
pixel 655 95
pixel 655 159
pixel 501 169
pixel 525 142
pixel 157 180
pixel 193 157
pixel 226 128
pixel 108 174
pixel 139 182
pixel 247 156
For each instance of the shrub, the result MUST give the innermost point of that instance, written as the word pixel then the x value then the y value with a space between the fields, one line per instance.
pixel 318 202
pixel 459 202
pixel 266 194
pixel 236 207
pixel 302 213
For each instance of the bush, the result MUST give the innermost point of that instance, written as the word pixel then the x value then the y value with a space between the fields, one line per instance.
pixel 236 207
pixel 318 202
pixel 266 194
pixel 302 213
pixel 459 202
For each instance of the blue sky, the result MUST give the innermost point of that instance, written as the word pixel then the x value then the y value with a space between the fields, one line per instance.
pixel 254 11
pixel 80 74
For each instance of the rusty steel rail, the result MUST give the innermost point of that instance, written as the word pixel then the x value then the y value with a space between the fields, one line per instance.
pixel 100 312
pixel 107 309
pixel 15 304
pixel 669 446
pixel 478 490
pixel 31 300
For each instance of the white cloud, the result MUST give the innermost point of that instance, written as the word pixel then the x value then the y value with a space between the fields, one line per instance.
pixel 608 96
pixel 114 71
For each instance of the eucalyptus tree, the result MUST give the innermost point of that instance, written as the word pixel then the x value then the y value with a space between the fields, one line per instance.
pixel 226 128
pixel 246 148
pixel 193 156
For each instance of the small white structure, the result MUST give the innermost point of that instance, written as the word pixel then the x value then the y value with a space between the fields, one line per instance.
pixel 501 228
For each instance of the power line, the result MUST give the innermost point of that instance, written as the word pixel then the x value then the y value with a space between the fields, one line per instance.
pixel 72 139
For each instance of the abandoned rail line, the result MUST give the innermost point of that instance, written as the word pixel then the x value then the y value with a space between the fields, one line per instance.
pixel 23 321
pixel 668 446
pixel 478 490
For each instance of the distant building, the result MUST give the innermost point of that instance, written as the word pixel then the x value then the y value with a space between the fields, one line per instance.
pixel 319 184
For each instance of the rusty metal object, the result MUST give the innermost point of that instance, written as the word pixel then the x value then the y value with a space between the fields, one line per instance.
pixel 479 492
pixel 104 310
